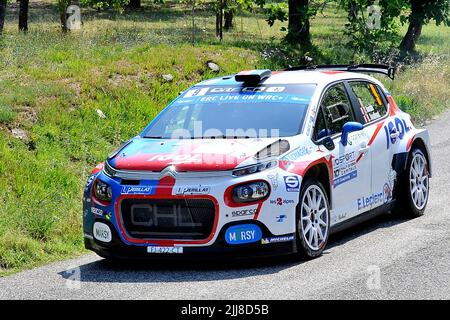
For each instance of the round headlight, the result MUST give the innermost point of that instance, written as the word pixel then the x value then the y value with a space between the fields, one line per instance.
pixel 252 191
pixel 102 191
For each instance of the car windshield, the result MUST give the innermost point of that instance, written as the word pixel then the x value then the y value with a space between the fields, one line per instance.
pixel 234 112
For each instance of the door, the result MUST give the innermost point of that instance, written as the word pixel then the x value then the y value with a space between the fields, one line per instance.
pixel 351 163
pixel 381 128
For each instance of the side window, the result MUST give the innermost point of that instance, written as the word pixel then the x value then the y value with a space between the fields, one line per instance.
pixel 320 129
pixel 369 98
pixel 336 109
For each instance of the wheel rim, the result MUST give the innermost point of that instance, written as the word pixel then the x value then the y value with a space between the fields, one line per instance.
pixel 418 181
pixel 314 217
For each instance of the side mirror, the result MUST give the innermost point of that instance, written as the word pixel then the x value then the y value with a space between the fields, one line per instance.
pixel 328 143
pixel 348 128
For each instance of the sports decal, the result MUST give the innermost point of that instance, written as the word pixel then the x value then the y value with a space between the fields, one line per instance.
pixel 281 218
pixel 241 234
pixel 280 201
pixel 396 126
pixel 368 201
pixel 145 189
pixel 376 199
pixel 273 177
pixel 97 211
pixel 243 212
pixel 292 183
pixel 298 153
pixel 236 94
pixel 182 190
pixel 270 240
pixel 344 168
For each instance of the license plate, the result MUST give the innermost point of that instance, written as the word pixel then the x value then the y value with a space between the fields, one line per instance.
pixel 169 250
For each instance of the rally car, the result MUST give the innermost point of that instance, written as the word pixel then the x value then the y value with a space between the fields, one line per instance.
pixel 259 163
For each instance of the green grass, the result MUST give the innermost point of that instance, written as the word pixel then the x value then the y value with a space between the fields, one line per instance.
pixel 51 86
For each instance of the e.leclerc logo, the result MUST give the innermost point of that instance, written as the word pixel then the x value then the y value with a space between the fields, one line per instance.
pixel 244 233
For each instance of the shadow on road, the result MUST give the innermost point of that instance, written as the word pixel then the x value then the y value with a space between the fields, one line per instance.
pixel 135 271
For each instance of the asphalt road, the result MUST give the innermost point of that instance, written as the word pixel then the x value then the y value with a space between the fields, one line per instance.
pixel 386 258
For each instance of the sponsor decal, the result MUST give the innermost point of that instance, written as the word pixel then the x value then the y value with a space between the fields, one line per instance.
pixel 344 168
pixel 97 211
pixel 102 232
pixel 177 158
pixel 244 212
pixel 387 191
pixel 196 92
pixel 274 180
pixel 371 200
pixel 286 238
pixel 245 233
pixel 281 218
pixel 298 153
pixel 397 125
pixel 355 137
pixel 292 183
pixel 168 250
pixel 280 201
pixel 89 182
pixel 191 190
pixel 137 190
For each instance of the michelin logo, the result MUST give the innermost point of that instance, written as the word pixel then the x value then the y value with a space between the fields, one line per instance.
pixel 277 239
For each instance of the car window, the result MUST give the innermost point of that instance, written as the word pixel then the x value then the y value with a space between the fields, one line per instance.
pixel 336 109
pixel 369 99
pixel 320 128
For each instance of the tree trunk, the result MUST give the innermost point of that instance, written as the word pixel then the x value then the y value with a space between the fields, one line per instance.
pixel 2 14
pixel 23 15
pixel 134 4
pixel 298 26
pixel 219 21
pixel 352 11
pixel 415 18
pixel 217 24
pixel 229 15
pixel 63 17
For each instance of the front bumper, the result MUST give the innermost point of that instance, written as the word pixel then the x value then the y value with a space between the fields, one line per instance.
pixel 117 249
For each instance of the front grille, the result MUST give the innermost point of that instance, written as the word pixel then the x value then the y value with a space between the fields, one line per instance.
pixel 188 219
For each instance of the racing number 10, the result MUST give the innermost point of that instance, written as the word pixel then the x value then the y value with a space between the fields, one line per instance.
pixel 398 125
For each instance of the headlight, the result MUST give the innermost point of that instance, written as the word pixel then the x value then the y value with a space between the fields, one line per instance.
pixel 102 191
pixel 255 168
pixel 252 191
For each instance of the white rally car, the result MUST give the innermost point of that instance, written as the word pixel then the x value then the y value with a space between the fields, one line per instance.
pixel 259 163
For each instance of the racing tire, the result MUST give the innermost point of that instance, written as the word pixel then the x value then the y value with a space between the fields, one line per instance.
pixel 313 219
pixel 414 185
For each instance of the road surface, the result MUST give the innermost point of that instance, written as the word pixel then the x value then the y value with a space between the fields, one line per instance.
pixel 386 258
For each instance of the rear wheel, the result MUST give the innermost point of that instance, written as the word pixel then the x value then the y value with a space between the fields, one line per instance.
pixel 414 186
pixel 313 219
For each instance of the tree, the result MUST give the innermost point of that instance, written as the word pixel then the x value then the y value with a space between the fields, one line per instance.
pixel 23 15
pixel 2 14
pixel 422 11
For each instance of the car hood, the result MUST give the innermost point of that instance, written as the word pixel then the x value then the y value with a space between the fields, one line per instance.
pixel 186 155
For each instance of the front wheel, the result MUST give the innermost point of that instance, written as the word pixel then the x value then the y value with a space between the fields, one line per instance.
pixel 313 219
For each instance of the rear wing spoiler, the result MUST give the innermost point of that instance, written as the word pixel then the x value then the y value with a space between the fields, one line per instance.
pixel 363 68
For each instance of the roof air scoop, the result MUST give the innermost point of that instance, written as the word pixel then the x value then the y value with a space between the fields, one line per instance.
pixel 252 76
